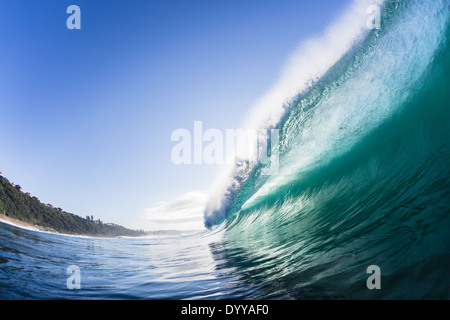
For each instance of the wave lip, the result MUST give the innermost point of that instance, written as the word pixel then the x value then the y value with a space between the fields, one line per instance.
pixel 312 59
pixel 325 111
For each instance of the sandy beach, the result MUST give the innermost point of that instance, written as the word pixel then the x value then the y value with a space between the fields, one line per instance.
pixel 25 225
pixel 29 226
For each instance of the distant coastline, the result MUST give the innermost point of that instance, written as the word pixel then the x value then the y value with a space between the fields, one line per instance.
pixel 26 211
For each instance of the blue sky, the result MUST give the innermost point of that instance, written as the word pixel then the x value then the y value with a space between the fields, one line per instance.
pixel 87 115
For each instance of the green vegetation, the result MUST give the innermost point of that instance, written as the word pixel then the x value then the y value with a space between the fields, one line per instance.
pixel 18 205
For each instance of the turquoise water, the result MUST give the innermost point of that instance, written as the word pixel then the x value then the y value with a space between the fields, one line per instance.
pixel 364 173
pixel 363 180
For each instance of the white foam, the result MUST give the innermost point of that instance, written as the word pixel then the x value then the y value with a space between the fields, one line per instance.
pixel 310 61
pixel 36 229
pixel 391 70
pixel 17 225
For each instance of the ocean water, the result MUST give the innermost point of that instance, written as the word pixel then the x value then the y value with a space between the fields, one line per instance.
pixel 34 265
pixel 363 179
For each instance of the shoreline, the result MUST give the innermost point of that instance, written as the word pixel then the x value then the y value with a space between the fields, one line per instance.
pixel 24 225
pixel 28 226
